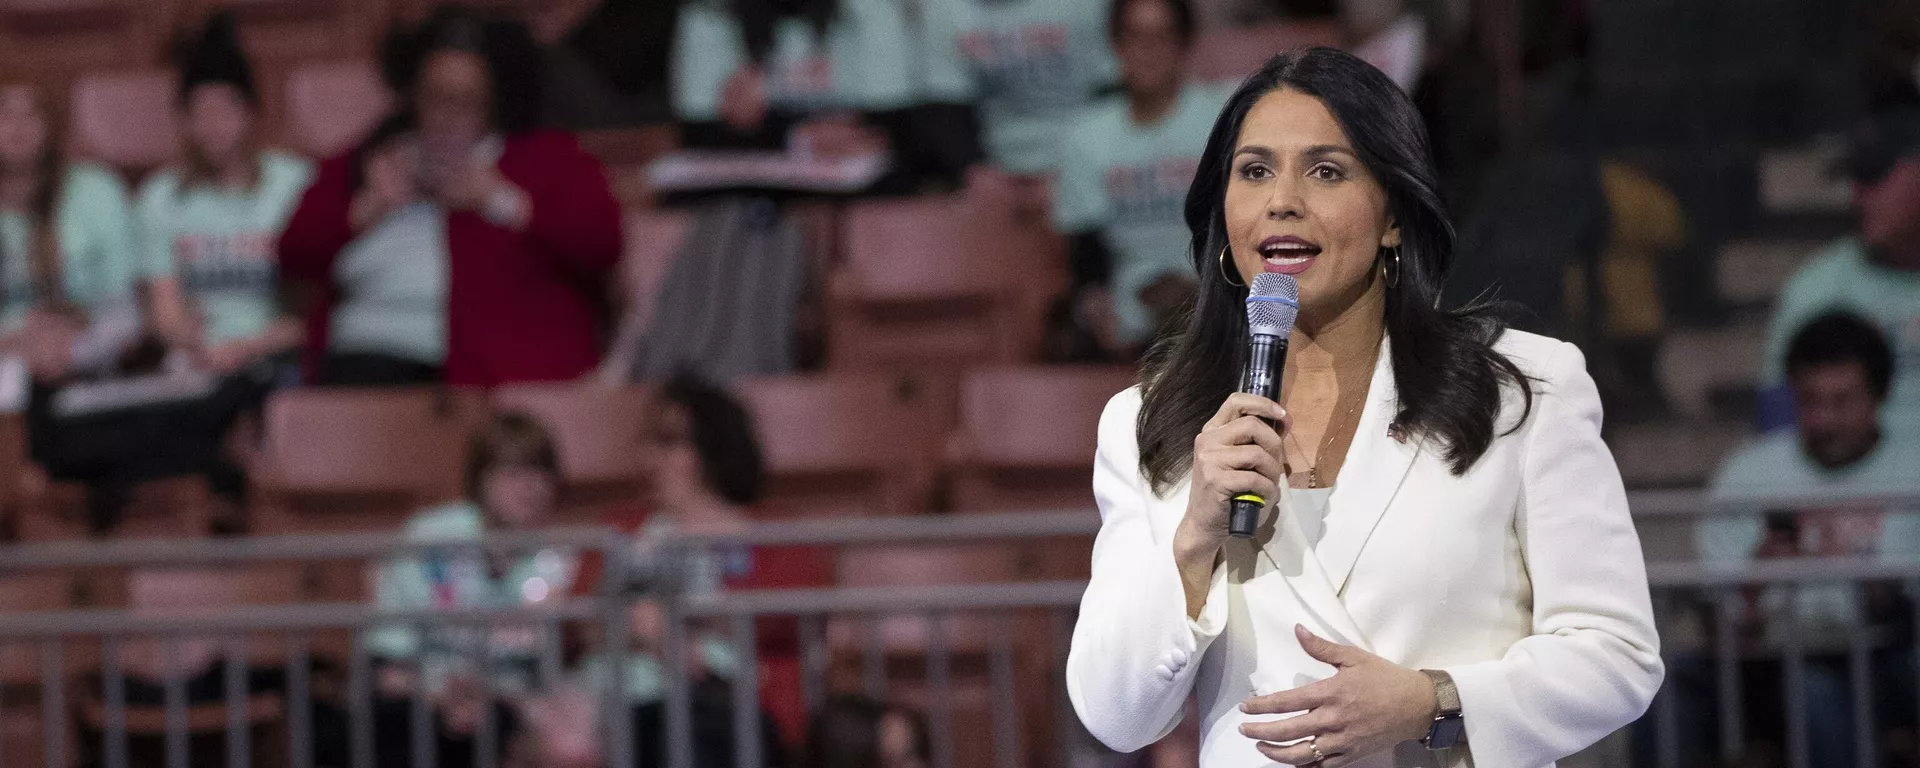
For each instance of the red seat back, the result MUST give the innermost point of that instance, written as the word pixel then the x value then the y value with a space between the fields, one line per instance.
pixel 332 104
pixel 843 443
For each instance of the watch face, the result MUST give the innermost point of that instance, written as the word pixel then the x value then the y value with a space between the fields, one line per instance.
pixel 1446 732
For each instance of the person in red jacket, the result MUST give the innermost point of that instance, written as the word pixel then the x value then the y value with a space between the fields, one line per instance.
pixel 459 243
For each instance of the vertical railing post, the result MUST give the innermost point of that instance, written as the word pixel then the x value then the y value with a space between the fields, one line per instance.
pixel 746 695
pixel 939 687
pixel 1727 666
pixel 53 702
pixel 239 744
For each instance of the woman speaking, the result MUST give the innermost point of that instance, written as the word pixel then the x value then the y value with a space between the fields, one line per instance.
pixel 1450 576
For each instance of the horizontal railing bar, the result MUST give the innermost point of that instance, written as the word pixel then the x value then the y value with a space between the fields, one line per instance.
pixel 179 552
pixel 260 618
pixel 1696 502
pixel 1782 570
pixel 963 597
pixel 330 546
pixel 905 529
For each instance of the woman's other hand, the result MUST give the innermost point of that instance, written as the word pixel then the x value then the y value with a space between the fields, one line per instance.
pixel 1368 706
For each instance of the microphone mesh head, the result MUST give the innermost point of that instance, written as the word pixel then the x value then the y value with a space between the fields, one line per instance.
pixel 1272 304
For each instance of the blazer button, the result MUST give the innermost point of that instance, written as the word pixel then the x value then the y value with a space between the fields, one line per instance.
pixel 1164 672
pixel 1179 658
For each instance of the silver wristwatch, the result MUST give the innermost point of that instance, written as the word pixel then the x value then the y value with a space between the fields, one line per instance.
pixel 1448 728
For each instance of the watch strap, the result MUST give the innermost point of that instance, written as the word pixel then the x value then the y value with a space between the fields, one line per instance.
pixel 1446 695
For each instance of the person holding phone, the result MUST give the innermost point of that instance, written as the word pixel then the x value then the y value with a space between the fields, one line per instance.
pixel 460 243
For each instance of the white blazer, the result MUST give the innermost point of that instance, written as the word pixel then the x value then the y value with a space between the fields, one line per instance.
pixel 1522 578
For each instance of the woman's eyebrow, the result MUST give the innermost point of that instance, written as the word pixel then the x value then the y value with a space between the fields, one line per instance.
pixel 1322 150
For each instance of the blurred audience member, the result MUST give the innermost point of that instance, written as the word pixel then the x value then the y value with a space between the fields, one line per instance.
pixel 822 78
pixel 1542 211
pixel 1390 36
pixel 512 474
pixel 1030 66
pixel 705 476
pixel 1840 459
pixel 460 242
pixel 205 231
pixel 1645 225
pixel 757 73
pixel 68 313
pixel 610 69
pixel 857 732
pixel 1875 273
pixel 66 249
pixel 1121 192
pixel 206 227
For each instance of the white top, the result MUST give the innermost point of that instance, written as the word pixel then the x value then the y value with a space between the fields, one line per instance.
pixel 1310 508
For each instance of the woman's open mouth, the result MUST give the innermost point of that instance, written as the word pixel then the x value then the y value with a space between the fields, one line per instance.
pixel 1287 255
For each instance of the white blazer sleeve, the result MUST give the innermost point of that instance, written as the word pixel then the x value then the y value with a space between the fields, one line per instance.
pixel 1593 661
pixel 1134 651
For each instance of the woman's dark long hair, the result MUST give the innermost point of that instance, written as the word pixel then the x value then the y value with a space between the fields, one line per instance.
pixel 722 433
pixel 1444 365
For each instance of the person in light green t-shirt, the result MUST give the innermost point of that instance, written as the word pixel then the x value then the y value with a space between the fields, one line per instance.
pixel 66 256
pixel 207 226
pixel 1875 274
pixel 1121 191
pixel 832 77
pixel 843 55
pixel 512 476
pixel 1030 65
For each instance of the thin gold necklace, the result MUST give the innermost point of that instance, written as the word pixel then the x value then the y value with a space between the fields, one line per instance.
pixel 1313 470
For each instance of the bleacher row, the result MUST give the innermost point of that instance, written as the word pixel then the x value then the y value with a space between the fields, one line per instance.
pixel 837 443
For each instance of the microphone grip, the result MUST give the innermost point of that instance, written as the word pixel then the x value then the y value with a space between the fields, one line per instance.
pixel 1244 516
pixel 1267 357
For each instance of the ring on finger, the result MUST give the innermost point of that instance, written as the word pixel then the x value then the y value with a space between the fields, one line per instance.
pixel 1313 743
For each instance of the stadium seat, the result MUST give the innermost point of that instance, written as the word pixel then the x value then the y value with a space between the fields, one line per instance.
pixel 21 666
pixel 332 104
pixel 50 41
pixel 844 443
pixel 935 281
pixel 277 32
pixel 48 510
pixel 600 434
pixel 352 459
pixel 126 119
pixel 1232 54
pixel 969 639
pixel 1026 436
pixel 181 592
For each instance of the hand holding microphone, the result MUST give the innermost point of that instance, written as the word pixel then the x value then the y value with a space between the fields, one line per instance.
pixel 1237 457
pixel 1273 304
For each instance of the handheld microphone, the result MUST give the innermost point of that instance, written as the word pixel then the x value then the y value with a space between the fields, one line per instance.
pixel 1273 303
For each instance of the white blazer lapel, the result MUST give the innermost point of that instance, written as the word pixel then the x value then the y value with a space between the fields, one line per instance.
pixel 1375 466
pixel 1289 555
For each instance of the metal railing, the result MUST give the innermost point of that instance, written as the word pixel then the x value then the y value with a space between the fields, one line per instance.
pixel 869 657
pixel 54 634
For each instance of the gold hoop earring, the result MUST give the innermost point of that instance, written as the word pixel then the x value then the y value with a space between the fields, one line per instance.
pixel 1393 269
pixel 1224 274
